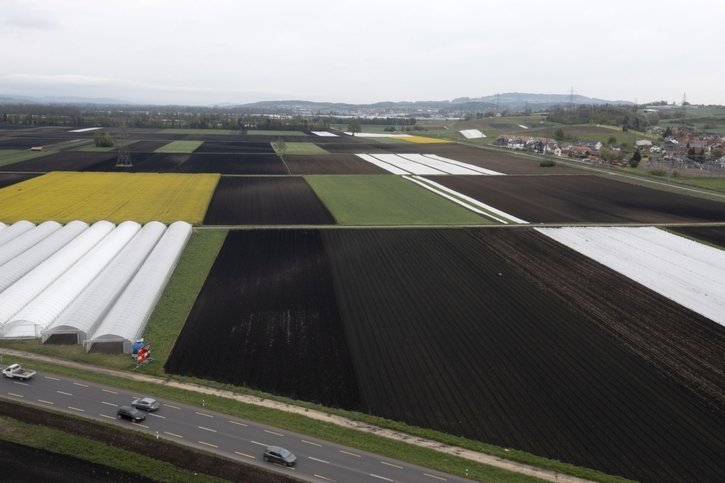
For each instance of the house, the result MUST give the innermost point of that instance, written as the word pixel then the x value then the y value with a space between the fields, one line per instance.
pixel 643 143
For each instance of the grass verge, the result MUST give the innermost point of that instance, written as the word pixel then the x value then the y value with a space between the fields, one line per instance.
pixel 86 449
pixel 387 200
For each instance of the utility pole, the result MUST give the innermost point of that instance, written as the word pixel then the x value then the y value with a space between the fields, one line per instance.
pixel 571 98
pixel 123 160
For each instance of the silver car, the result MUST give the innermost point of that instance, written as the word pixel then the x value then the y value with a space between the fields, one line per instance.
pixel 145 404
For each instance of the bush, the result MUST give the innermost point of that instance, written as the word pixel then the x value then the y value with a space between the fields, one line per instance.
pixel 547 163
pixel 658 172
pixel 103 139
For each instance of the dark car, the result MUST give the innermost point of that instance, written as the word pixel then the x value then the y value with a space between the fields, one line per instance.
pixel 278 455
pixel 131 413
pixel 145 404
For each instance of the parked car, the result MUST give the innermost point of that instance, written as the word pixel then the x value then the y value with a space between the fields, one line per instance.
pixel 131 413
pixel 278 455
pixel 145 404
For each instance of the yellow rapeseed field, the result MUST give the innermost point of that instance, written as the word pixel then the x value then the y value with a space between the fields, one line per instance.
pixel 423 140
pixel 116 197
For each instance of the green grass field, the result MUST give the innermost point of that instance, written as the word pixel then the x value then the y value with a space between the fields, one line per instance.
pixel 197 131
pixel 309 149
pixel 386 200
pixel 10 156
pixel 92 148
pixel 179 147
pixel 266 132
pixel 715 184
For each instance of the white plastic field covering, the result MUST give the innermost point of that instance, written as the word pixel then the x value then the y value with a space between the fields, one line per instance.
pixel 86 129
pixel 378 135
pixel 422 164
pixel 12 270
pixel 127 318
pixel 324 134
pixel 19 244
pixel 2 226
pixel 687 272
pixel 32 319
pixel 15 230
pixel 472 134
pixel 522 126
pixel 89 308
pixel 19 294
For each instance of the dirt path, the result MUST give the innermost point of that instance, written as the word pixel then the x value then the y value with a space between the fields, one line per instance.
pixel 476 456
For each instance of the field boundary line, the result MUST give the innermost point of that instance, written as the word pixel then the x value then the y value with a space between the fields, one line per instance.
pixel 477 456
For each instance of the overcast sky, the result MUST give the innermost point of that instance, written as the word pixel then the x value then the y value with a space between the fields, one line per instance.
pixel 217 51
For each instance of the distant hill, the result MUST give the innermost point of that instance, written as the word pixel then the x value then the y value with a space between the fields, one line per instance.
pixel 513 101
pixel 8 99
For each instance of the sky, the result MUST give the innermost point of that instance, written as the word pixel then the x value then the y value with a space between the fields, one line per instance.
pixel 209 52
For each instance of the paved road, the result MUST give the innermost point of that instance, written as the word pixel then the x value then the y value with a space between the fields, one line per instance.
pixel 234 438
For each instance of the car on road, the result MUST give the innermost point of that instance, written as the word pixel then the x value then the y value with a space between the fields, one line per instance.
pixel 145 404
pixel 131 413
pixel 278 455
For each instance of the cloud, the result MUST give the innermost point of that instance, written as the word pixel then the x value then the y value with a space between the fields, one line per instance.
pixel 16 15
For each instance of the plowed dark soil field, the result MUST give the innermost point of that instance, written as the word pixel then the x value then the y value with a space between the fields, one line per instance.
pixel 10 179
pixel 222 163
pixel 331 164
pixel 266 201
pixel 585 198
pixel 64 161
pixel 493 334
pixel 715 235
pixel 267 318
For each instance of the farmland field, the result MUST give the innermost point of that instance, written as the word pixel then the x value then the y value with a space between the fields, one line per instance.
pixel 235 147
pixel 115 197
pixel 10 156
pixel 268 312
pixel 299 149
pixel 586 198
pixel 714 235
pixel 265 132
pixel 466 331
pixel 266 201
pixel 330 164
pixel 10 179
pixel 63 161
pixel 179 147
pixel 198 131
pixel 386 200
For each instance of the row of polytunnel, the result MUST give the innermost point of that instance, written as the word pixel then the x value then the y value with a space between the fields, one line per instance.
pixel 96 283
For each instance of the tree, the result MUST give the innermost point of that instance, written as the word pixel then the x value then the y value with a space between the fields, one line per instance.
pixel 102 139
pixel 280 146
pixel 354 127
pixel 559 134
pixel 612 140
pixel 636 158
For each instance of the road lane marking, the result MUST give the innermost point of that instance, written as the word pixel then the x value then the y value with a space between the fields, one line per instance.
pixel 170 406
pixel 434 476
pixel 204 414
pixel 247 455
pixel 109 404
pixel 317 459
pixel 139 424
pixel 45 402
pixel 77 409
pixel 272 432
pixel 351 454
pixel 107 416
pixel 52 378
pixel 381 477
pixel 157 416
pixel 174 435
pixel 237 423
pixel 64 393
pixel 322 477
pixel 208 444
pixel 260 444
pixel 21 383
pixel 207 429
pixel 312 443
pixel 391 464
pixel 108 390
pixel 16 395
pixel 79 384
